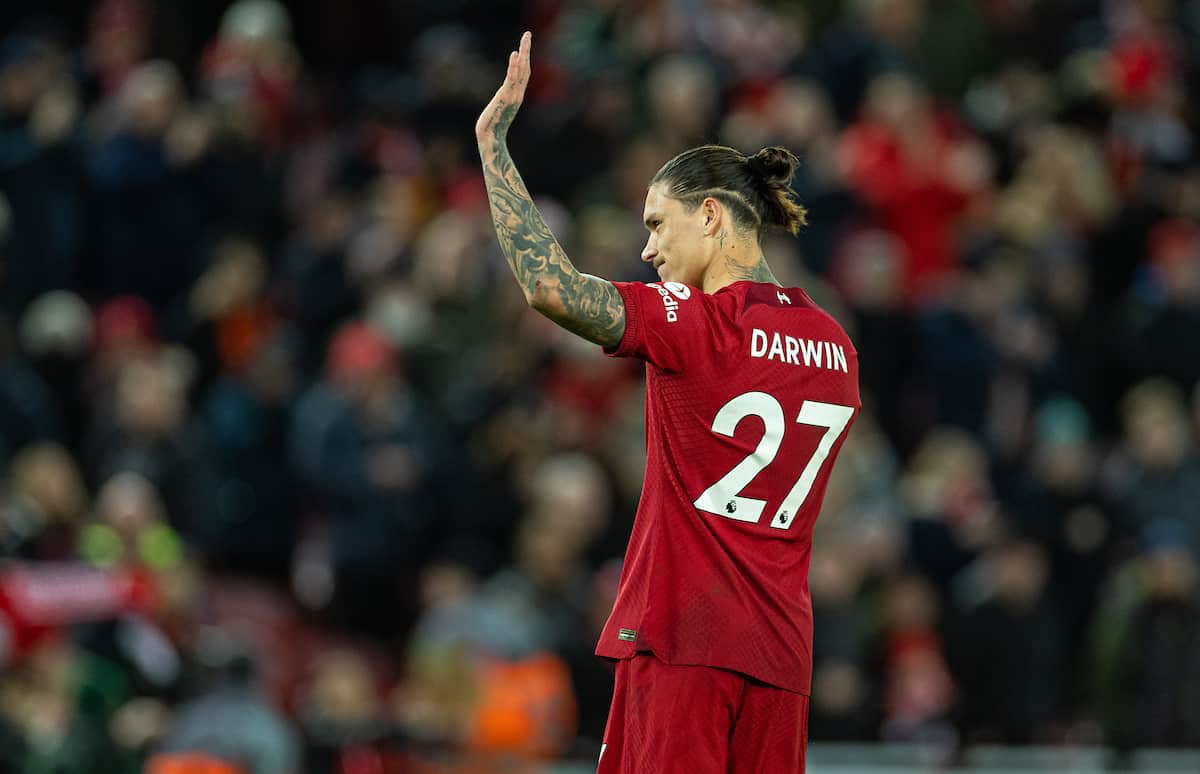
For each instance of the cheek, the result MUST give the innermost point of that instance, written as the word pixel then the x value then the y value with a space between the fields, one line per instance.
pixel 662 241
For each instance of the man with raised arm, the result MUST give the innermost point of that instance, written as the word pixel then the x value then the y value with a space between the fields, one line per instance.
pixel 750 391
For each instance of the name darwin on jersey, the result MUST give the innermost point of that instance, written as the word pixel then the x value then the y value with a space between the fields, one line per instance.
pixel 790 350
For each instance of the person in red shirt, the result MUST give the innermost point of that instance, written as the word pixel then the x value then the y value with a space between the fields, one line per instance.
pixel 751 389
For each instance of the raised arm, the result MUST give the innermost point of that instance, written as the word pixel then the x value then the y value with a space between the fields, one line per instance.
pixel 583 304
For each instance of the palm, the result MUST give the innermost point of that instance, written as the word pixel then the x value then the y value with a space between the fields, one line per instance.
pixel 495 119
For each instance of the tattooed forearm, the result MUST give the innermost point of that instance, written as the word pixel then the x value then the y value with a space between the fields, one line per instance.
pixel 758 272
pixel 583 304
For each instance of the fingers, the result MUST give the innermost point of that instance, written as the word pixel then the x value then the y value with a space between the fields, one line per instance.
pixel 526 44
pixel 510 93
pixel 518 61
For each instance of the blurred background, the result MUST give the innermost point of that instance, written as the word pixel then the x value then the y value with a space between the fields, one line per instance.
pixel 292 481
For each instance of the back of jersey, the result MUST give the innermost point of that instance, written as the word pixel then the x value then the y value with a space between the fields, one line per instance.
pixel 750 394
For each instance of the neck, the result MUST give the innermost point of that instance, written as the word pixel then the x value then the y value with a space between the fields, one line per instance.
pixel 735 265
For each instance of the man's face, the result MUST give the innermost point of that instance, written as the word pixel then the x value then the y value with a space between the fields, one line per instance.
pixel 676 246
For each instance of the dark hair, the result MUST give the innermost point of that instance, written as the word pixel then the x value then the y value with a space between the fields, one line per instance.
pixel 756 189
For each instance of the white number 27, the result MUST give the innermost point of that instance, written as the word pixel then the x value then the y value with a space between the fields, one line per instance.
pixel 723 498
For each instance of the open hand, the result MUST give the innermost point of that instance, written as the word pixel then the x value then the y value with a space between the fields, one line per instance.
pixel 495 119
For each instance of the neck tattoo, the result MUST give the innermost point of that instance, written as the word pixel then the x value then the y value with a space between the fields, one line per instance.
pixel 756 272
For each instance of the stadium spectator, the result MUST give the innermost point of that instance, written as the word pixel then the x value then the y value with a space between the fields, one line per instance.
pixel 1004 617
pixel 1157 699
pixel 233 723
pixel 47 502
pixel 377 458
pixel 253 523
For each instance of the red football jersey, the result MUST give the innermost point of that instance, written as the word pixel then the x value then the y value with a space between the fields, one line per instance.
pixel 750 392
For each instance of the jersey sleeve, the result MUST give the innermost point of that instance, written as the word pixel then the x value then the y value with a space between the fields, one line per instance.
pixel 669 324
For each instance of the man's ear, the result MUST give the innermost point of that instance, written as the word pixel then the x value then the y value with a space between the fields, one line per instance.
pixel 713 213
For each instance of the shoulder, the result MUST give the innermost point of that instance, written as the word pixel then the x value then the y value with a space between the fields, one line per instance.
pixel 677 298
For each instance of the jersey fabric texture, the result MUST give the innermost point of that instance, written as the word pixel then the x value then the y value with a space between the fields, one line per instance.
pixel 700 720
pixel 750 392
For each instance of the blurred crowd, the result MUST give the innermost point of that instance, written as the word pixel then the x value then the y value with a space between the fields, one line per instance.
pixel 293 481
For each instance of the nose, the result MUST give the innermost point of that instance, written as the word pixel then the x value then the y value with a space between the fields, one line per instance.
pixel 649 251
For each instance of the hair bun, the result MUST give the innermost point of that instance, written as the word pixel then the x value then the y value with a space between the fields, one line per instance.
pixel 774 165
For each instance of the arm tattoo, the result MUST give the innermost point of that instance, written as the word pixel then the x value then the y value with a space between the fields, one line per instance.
pixel 585 305
pixel 759 272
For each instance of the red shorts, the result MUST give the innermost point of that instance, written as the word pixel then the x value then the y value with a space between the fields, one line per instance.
pixel 700 720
